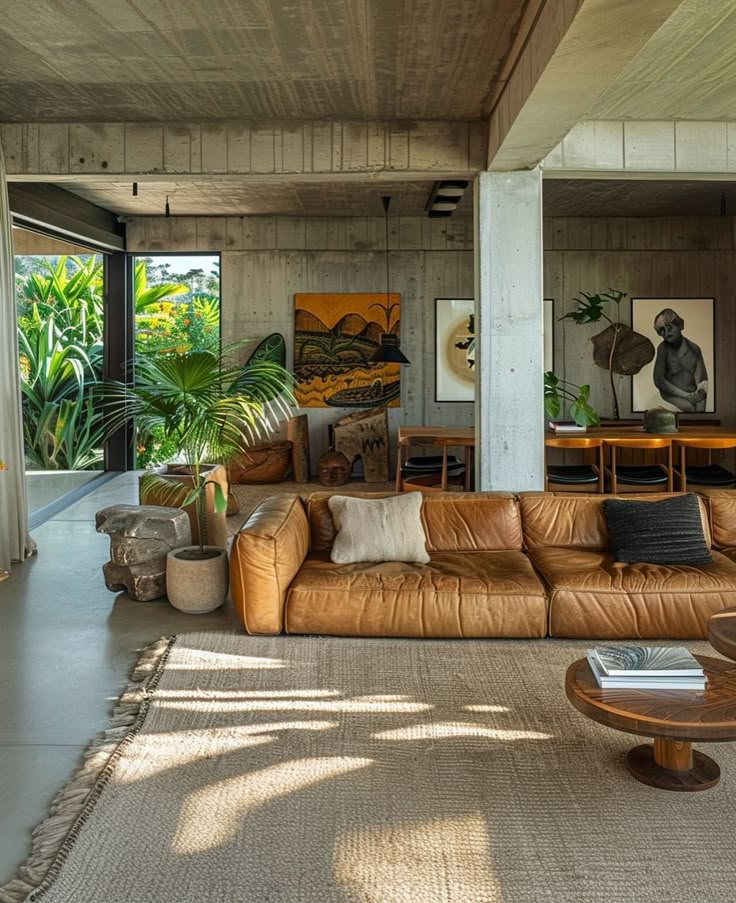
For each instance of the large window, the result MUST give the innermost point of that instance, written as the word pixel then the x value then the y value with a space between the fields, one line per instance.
pixel 177 308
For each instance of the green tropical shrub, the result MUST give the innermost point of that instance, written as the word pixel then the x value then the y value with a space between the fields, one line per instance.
pixel 60 326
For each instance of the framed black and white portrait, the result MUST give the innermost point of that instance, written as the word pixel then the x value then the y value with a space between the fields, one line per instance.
pixel 681 377
pixel 454 349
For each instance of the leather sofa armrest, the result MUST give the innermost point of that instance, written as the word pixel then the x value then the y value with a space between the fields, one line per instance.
pixel 265 557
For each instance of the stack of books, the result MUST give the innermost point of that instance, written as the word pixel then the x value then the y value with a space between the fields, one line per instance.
pixel 645 668
pixel 567 427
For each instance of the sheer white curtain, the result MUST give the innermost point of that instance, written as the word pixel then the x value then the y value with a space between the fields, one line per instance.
pixel 15 543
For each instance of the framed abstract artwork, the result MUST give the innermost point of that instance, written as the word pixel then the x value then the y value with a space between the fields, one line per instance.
pixel 454 349
pixel 681 377
pixel 334 335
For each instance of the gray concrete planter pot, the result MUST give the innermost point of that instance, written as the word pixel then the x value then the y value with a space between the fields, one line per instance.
pixel 194 584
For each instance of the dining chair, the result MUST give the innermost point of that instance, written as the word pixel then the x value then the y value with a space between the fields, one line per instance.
pixel 574 477
pixel 639 477
pixel 712 476
pixel 429 473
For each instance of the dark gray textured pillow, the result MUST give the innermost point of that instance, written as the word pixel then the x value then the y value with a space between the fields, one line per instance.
pixel 669 531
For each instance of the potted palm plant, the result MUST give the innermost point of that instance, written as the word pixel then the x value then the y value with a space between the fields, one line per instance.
pixel 210 408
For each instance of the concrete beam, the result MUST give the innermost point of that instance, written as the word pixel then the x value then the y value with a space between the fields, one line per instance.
pixel 666 149
pixel 321 149
pixel 576 49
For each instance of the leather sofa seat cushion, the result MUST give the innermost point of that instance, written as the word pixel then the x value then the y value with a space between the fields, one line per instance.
pixel 453 522
pixel 455 595
pixel 591 595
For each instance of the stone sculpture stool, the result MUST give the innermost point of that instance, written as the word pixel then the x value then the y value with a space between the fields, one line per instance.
pixel 141 536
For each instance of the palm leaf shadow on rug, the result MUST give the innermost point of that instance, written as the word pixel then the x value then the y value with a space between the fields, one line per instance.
pixel 364 770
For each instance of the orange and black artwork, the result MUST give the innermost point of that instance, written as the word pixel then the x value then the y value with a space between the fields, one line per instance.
pixel 335 334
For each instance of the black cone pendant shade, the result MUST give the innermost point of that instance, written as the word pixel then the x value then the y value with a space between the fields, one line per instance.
pixel 388 352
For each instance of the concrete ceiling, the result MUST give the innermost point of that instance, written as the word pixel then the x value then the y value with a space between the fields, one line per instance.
pixel 685 71
pixel 615 197
pixel 121 60
pixel 562 197
pixel 261 197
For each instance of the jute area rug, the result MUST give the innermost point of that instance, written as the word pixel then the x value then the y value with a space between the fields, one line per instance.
pixel 250 495
pixel 360 771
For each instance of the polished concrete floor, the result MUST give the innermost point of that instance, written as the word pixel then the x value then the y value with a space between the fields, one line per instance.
pixel 67 646
pixel 46 486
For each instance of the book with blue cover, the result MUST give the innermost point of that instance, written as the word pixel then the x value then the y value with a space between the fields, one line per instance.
pixel 645 668
pixel 650 661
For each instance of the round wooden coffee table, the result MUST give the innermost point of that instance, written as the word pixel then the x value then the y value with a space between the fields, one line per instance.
pixel 722 632
pixel 674 718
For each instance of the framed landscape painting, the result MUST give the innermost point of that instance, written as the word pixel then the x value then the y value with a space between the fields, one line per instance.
pixel 682 375
pixel 334 337
pixel 454 349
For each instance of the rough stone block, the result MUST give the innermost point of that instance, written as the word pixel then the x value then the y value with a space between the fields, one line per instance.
pixel 141 536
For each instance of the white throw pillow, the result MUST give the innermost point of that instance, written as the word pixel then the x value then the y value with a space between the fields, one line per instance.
pixel 387 529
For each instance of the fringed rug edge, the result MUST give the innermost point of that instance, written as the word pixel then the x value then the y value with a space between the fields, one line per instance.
pixel 73 804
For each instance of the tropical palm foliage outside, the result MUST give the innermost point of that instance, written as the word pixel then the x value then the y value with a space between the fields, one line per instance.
pixel 60 334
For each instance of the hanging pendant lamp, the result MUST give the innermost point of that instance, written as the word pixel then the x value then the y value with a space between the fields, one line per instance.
pixel 388 351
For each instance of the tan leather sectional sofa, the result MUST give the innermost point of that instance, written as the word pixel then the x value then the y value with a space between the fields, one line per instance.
pixel 501 565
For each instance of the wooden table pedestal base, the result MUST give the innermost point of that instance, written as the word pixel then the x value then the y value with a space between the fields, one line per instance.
pixel 672 765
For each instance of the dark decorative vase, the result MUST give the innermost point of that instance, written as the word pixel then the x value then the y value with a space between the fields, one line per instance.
pixel 660 420
pixel 334 468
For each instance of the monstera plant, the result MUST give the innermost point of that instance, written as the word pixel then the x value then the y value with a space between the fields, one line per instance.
pixel 618 349
pixel 559 392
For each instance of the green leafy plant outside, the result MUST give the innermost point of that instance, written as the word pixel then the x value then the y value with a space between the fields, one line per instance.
pixel 60 326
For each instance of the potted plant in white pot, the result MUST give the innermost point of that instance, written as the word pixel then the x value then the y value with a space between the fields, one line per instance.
pixel 211 408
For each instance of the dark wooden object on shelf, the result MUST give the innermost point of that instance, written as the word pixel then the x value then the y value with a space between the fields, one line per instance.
pixel 674 718
pixel 297 432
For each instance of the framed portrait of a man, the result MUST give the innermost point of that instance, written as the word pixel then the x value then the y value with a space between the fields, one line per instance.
pixel 681 377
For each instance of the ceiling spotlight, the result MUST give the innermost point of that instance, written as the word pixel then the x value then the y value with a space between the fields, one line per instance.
pixel 444 197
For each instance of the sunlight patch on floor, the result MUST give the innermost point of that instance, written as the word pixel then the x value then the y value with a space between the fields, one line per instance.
pixel 206 660
pixel 157 753
pixel 213 816
pixel 348 706
pixel 486 708
pixel 439 859
pixel 445 729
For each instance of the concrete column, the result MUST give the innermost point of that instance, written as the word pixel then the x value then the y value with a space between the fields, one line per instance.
pixel 509 403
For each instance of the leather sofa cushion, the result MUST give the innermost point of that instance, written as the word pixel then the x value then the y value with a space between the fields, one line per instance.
pixel 576 521
pixel 669 531
pixel 722 516
pixel 455 595
pixel 593 596
pixel 453 522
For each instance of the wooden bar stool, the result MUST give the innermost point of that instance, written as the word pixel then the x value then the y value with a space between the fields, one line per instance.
pixel 574 477
pixel 639 477
pixel 712 476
